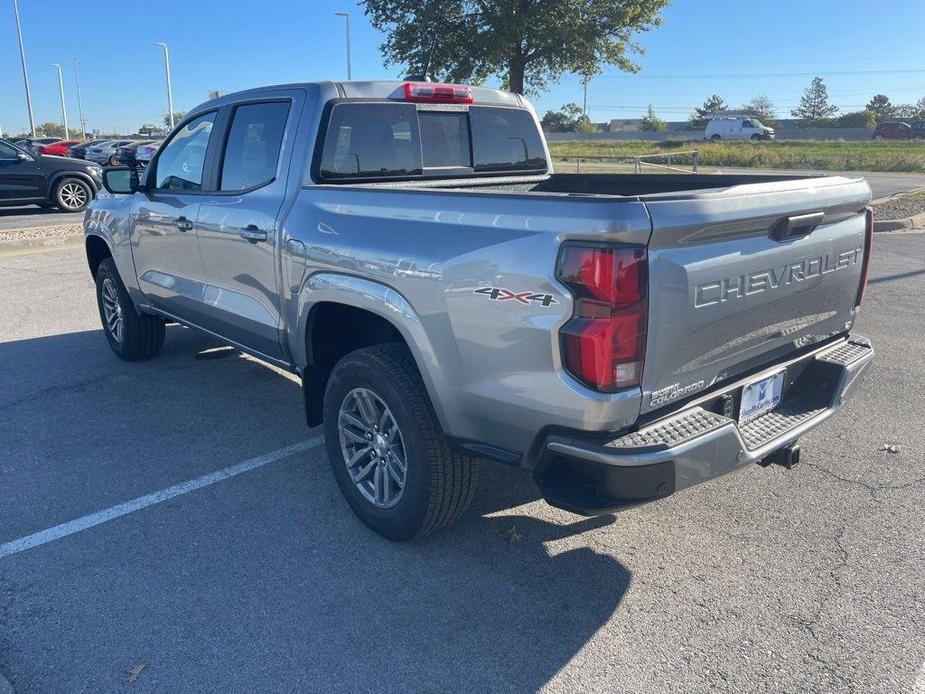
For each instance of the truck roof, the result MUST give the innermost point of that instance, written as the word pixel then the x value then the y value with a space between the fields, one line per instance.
pixel 365 89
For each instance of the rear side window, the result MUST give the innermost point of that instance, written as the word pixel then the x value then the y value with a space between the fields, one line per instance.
pixel 252 148
pixel 388 140
pixel 371 141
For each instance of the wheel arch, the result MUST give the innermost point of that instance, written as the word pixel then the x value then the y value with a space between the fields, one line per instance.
pixel 375 314
pixel 58 175
pixel 97 250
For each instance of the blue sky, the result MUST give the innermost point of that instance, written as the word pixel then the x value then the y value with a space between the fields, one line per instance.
pixel 735 49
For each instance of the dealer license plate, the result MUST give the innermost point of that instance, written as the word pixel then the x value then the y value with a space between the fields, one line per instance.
pixel 761 397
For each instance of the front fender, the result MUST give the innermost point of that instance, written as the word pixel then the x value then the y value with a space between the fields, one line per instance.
pixel 110 218
pixel 377 298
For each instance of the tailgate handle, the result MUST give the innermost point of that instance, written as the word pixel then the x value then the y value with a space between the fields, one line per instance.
pixel 796 227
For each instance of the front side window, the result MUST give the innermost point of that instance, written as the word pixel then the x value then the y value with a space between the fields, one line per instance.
pixel 252 149
pixel 181 162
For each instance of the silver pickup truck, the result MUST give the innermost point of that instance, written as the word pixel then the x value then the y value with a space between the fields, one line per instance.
pixel 406 249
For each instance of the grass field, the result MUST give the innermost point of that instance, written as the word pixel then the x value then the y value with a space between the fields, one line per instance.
pixel 808 154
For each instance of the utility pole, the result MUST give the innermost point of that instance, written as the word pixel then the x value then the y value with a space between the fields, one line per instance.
pixel 169 88
pixel 584 106
pixel 80 109
pixel 25 74
pixel 67 134
pixel 346 16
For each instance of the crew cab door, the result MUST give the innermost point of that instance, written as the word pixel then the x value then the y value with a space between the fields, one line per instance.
pixel 166 249
pixel 19 180
pixel 238 232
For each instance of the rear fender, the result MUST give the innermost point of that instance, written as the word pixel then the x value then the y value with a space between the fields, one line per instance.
pixel 380 300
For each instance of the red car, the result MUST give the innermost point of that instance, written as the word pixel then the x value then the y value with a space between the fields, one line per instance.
pixel 59 149
pixel 900 131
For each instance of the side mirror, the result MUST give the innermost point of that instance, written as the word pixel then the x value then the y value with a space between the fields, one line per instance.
pixel 21 156
pixel 120 180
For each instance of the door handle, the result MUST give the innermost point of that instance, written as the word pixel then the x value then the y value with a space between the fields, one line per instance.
pixel 183 224
pixel 253 234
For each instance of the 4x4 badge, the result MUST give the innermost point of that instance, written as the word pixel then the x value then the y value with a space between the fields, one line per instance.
pixel 500 294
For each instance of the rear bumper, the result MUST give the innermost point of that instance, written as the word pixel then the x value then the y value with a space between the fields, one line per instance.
pixel 701 441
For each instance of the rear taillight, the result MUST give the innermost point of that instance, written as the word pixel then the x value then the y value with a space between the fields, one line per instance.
pixel 604 342
pixel 868 248
pixel 438 93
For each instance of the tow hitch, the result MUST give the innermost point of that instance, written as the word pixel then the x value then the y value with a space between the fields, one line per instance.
pixel 788 457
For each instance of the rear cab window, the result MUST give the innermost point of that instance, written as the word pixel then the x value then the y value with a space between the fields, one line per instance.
pixel 374 140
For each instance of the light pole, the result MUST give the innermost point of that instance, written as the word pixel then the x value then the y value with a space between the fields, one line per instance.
pixel 80 108
pixel 67 134
pixel 346 16
pixel 169 89
pixel 25 74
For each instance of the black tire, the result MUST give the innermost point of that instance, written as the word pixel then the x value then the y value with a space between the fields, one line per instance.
pixel 72 194
pixel 439 483
pixel 715 138
pixel 114 160
pixel 756 137
pixel 142 335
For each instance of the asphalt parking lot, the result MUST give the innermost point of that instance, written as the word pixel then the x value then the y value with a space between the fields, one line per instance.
pixel 762 581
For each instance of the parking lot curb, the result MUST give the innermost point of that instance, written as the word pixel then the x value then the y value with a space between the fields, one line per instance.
pixel 7 245
pixel 914 222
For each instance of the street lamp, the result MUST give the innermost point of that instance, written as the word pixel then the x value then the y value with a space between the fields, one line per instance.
pixel 346 16
pixel 25 74
pixel 169 89
pixel 67 134
pixel 80 108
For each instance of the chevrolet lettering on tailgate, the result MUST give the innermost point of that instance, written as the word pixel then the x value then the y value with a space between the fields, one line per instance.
pixel 719 291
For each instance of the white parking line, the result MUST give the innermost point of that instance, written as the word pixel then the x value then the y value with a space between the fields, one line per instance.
pixel 75 526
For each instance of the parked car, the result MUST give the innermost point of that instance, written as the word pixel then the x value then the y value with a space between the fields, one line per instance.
pixel 78 151
pixel 897 130
pixel 32 144
pixel 127 154
pixel 145 152
pixel 105 152
pixel 737 128
pixel 61 148
pixel 407 251
pixel 46 181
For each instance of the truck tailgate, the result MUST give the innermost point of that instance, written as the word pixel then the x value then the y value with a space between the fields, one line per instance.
pixel 741 277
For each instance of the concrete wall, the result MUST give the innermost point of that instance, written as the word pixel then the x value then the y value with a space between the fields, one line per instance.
pixel 697 135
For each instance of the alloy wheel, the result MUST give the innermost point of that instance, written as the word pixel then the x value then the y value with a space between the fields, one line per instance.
pixel 112 310
pixel 372 447
pixel 74 196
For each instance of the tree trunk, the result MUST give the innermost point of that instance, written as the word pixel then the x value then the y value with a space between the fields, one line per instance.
pixel 515 71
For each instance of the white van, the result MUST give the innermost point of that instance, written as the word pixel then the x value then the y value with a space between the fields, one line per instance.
pixel 737 128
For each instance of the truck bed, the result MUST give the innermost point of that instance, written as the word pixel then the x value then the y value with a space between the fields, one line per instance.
pixel 625 185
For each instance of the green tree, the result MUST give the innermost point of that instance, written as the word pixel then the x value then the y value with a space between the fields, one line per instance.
pixel 698 119
pixel 857 119
pixel 910 112
pixel 814 104
pixel 652 123
pixel 52 129
pixel 568 119
pixel 880 106
pixel 148 129
pixel 177 117
pixel 524 42
pixel 762 108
